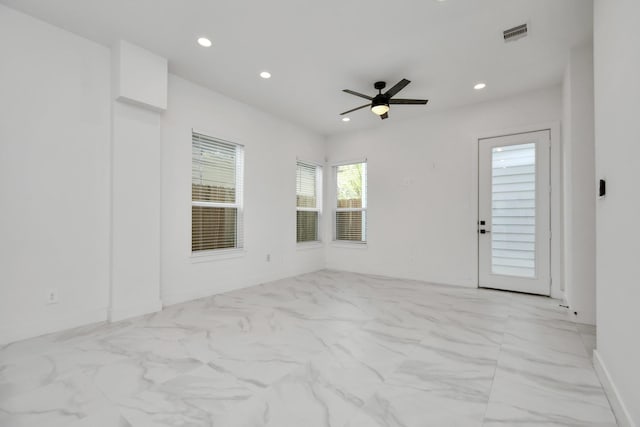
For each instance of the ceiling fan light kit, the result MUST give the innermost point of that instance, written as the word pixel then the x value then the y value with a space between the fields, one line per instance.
pixel 379 108
pixel 380 103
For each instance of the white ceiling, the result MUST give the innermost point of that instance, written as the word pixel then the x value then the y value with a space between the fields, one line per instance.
pixel 314 49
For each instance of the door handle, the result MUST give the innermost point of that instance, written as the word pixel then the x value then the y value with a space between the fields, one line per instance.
pixel 482 223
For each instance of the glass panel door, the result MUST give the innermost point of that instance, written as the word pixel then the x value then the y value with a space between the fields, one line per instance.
pixel 514 213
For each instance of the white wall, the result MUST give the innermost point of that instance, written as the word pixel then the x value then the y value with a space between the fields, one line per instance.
pixel 271 148
pixel 578 154
pixel 135 211
pixel 422 186
pixel 139 95
pixel 139 76
pixel 70 180
pixel 617 127
pixel 54 177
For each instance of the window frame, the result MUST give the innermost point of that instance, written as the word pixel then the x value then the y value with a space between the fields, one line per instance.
pixel 319 203
pixel 238 249
pixel 363 209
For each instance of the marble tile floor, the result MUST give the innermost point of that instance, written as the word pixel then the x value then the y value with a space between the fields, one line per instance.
pixel 328 349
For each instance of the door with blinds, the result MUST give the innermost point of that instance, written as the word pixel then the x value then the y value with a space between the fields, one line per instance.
pixel 514 213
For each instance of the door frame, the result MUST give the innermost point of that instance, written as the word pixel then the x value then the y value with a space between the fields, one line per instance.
pixel 557 261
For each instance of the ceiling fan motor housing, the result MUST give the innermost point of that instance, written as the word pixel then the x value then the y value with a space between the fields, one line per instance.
pixel 379 100
pixel 380 105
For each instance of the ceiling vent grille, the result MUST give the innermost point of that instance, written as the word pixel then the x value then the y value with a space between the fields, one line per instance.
pixel 515 33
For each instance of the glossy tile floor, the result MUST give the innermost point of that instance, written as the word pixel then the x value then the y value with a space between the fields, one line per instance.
pixel 322 349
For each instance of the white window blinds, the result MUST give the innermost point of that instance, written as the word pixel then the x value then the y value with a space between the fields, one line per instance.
pixel 351 202
pixel 216 194
pixel 514 210
pixel 308 202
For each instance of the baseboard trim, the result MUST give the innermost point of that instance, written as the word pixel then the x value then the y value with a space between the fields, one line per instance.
pixel 51 324
pixel 134 311
pixel 458 284
pixel 617 404
pixel 181 297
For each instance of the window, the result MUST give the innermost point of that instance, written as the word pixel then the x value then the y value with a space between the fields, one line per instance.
pixel 351 203
pixel 308 202
pixel 216 194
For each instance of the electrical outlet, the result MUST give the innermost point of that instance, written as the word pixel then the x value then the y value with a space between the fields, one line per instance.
pixel 268 257
pixel 52 296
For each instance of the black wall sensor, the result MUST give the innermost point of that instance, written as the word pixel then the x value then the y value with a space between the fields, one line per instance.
pixel 603 188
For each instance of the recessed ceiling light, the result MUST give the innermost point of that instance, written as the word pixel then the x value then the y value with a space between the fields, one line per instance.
pixel 480 86
pixel 346 119
pixel 265 75
pixel 204 42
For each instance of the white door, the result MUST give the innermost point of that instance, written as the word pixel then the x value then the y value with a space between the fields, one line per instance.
pixel 514 213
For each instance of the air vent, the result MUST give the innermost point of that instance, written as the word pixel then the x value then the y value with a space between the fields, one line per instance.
pixel 515 33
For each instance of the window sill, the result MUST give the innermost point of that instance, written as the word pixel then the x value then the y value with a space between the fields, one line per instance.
pixel 216 255
pixel 309 245
pixel 349 245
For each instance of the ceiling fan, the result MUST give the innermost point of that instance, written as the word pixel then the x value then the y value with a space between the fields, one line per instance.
pixel 381 102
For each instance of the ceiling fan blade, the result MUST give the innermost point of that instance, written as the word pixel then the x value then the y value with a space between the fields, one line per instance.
pixel 409 101
pixel 397 88
pixel 362 106
pixel 384 116
pixel 357 94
